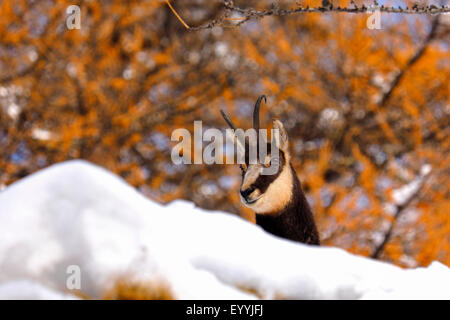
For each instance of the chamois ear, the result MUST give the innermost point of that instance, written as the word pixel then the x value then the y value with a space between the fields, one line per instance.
pixel 282 139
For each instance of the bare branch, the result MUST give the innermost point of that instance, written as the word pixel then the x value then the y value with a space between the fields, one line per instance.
pixel 432 9
pixel 419 53
pixel 400 207
pixel 250 13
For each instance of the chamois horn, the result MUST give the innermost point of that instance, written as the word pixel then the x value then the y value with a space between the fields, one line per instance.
pixel 228 120
pixel 256 112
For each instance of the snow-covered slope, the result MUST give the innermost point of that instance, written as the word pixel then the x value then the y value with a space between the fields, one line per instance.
pixel 77 214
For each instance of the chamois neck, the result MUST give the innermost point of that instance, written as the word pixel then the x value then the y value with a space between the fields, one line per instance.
pixel 295 221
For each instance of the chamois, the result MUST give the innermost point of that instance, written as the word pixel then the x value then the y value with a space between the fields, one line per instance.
pixel 277 199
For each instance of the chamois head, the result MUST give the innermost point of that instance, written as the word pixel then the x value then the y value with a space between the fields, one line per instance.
pixel 265 193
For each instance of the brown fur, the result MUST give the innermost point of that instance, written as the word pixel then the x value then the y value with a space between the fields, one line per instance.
pixel 295 221
pixel 277 199
pixel 282 208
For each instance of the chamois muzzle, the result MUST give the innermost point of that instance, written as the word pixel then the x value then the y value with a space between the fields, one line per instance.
pixel 246 193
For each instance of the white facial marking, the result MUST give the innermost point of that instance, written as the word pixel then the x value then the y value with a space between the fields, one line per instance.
pixel 250 176
pixel 277 195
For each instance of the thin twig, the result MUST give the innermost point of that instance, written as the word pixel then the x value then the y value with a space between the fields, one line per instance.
pixel 177 15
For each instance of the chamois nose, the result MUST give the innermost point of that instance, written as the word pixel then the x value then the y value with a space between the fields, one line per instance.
pixel 247 192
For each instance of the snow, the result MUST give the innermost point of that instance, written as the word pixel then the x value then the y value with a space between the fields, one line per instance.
pixel 78 214
pixel 29 290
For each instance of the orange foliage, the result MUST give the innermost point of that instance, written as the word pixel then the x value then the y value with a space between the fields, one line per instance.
pixel 113 91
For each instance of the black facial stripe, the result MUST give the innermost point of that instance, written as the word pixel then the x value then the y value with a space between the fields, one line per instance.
pixel 263 182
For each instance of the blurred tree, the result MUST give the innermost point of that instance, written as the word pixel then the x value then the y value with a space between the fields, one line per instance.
pixel 367 110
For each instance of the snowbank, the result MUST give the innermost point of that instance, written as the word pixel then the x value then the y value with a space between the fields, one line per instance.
pixel 77 214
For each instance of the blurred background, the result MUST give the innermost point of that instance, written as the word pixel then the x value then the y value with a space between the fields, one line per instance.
pixel 367 111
